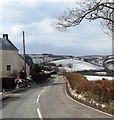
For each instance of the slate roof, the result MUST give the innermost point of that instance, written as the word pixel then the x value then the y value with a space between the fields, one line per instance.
pixel 6 44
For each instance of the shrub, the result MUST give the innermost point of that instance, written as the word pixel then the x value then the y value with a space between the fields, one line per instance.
pixel 36 68
pixel 75 79
pixel 100 90
pixel 83 87
pixel 60 65
pixel 95 89
pixel 70 65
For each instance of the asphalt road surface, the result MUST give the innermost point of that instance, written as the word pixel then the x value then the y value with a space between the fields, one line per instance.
pixel 23 104
pixel 55 104
pixel 48 101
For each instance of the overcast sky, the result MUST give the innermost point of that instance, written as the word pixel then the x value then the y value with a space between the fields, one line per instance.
pixel 36 19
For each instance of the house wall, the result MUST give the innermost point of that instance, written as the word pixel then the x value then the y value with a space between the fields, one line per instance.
pixel 0 70
pixel 10 57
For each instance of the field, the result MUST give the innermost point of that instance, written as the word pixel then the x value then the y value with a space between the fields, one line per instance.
pixel 76 65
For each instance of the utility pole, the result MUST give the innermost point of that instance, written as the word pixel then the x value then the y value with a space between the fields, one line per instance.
pixel 71 65
pixel 43 60
pixel 24 53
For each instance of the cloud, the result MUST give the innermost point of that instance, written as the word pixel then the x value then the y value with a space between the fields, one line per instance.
pixel 41 36
pixel 45 26
pixel 30 3
pixel 56 1
pixel 16 29
pixel 34 3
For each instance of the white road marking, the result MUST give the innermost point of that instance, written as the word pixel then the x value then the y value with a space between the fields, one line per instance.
pixel 39 114
pixel 43 90
pixel 37 101
pixel 38 98
pixel 86 105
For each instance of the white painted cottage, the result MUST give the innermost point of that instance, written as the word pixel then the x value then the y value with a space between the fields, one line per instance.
pixel 10 61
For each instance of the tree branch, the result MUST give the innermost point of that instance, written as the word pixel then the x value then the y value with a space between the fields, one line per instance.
pixel 91 10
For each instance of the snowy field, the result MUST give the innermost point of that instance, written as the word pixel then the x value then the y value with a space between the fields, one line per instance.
pixel 78 65
pixel 98 77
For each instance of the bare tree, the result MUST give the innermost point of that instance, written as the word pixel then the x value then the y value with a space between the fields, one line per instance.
pixel 90 10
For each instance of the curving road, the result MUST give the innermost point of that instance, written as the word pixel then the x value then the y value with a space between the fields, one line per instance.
pixel 23 104
pixel 48 101
pixel 55 104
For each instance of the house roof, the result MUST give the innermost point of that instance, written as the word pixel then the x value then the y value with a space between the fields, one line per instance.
pixel 6 44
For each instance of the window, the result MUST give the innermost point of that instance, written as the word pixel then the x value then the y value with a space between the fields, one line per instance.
pixel 8 67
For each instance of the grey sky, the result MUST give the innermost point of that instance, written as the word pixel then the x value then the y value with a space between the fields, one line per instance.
pixel 36 19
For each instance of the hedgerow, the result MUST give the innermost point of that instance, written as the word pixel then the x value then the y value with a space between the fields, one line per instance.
pixel 100 90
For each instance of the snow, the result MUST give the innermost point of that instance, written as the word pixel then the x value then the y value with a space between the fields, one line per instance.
pixel 101 73
pixel 110 66
pixel 98 77
pixel 78 65
pixel 110 60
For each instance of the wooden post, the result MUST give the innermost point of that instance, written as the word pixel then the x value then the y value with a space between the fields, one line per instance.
pixel 24 53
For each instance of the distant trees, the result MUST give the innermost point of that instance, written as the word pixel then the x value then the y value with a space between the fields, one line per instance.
pixel 69 65
pixel 60 65
pixel 89 10
pixel 36 68
pixel 38 75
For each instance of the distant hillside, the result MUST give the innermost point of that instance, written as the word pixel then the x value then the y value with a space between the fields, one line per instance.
pixel 76 65
pixel 40 58
pixel 109 62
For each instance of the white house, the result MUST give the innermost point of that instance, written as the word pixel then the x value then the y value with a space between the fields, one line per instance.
pixel 10 61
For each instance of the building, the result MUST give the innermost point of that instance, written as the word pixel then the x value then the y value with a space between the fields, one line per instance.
pixel 11 62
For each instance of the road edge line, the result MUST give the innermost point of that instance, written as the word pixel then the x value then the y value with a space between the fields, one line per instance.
pixel 86 105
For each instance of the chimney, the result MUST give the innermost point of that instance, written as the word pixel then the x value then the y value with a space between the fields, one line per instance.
pixel 5 36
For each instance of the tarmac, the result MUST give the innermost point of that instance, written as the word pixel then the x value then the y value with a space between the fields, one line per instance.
pixel 5 95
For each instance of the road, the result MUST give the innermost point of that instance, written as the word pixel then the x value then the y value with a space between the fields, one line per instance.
pixel 49 100
pixel 23 104
pixel 55 104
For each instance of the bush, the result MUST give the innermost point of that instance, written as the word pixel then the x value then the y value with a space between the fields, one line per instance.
pixel 83 87
pixel 69 65
pixel 95 89
pixel 75 79
pixel 60 65
pixel 36 68
pixel 100 90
